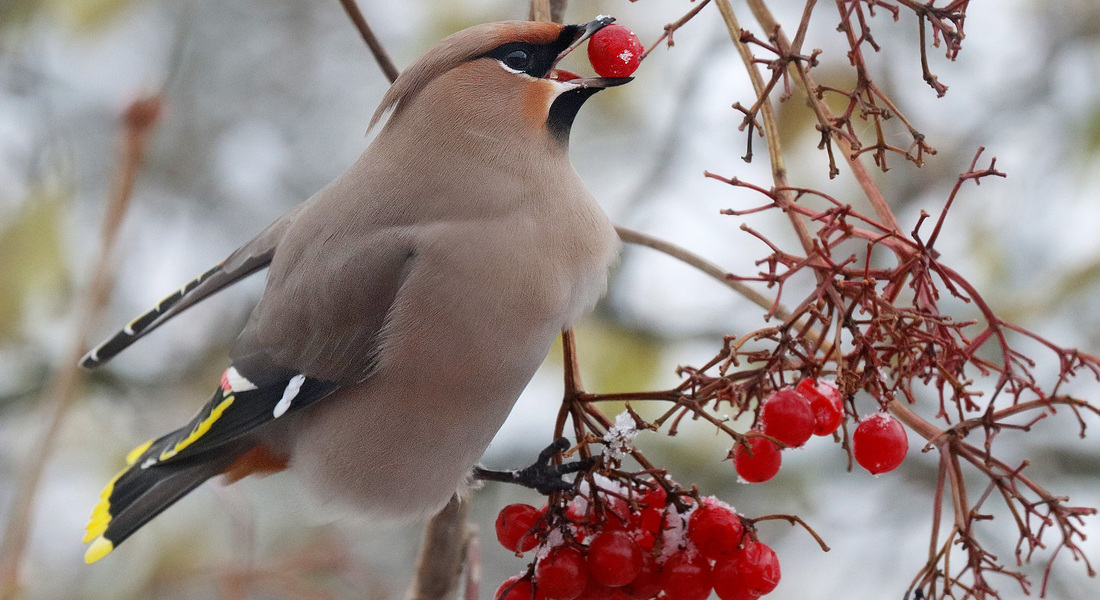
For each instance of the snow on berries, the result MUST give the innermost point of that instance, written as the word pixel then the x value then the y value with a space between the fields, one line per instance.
pixel 879 443
pixel 615 51
pixel 619 439
pixel 635 542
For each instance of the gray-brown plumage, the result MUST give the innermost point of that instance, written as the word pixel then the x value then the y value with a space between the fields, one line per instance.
pixel 408 302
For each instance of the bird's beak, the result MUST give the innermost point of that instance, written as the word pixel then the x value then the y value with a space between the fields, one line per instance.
pixel 584 32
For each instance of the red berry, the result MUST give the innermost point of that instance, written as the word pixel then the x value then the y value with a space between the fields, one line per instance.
pixel 650 519
pixel 614 558
pixel 514 524
pixel 762 464
pixel 648 582
pixel 562 574
pixel 715 530
pixel 514 588
pixel 826 403
pixel 616 514
pixel 654 498
pixel 747 574
pixel 595 591
pixel 787 417
pixel 879 443
pixel 615 51
pixel 686 576
pixel 647 526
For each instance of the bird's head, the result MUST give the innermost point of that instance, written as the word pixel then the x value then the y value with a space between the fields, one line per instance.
pixel 497 79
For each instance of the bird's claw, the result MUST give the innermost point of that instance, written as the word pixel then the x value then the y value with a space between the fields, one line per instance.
pixel 541 476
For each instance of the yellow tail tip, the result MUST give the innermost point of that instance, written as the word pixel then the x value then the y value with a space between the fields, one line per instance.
pixel 100 547
pixel 136 453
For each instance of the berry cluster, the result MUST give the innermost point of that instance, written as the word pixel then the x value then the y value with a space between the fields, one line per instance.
pixel 793 415
pixel 617 549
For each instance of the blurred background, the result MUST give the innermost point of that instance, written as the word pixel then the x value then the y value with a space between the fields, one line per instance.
pixel 268 100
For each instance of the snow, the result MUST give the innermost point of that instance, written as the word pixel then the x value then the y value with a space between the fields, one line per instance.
pixel 620 438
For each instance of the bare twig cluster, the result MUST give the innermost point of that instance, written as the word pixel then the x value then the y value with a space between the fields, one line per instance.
pixel 878 318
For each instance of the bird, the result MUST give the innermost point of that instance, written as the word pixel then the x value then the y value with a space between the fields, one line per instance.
pixel 408 302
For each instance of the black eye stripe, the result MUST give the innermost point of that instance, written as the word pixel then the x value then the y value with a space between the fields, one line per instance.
pixel 533 59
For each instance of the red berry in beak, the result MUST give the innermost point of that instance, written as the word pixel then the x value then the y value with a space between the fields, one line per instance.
pixel 615 51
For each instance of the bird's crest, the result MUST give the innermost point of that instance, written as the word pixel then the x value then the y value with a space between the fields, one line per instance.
pixel 456 49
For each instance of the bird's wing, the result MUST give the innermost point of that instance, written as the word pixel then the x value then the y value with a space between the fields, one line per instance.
pixel 268 379
pixel 284 361
pixel 318 327
pixel 329 296
pixel 246 260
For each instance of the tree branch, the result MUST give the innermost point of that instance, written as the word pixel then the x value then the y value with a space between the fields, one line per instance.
pixel 137 127
pixel 442 553
pixel 376 48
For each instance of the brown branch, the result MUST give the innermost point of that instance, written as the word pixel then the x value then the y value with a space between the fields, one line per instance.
pixel 552 11
pixel 442 553
pixel 137 127
pixel 672 27
pixel 770 121
pixel 631 236
pixel 380 55
pixel 794 520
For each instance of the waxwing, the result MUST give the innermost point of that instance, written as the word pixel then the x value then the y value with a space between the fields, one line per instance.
pixel 408 303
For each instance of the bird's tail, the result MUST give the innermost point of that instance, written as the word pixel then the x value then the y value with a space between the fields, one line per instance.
pixel 142 491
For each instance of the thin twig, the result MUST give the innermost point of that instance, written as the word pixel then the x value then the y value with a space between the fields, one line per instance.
pixel 672 27
pixel 771 127
pixel 631 236
pixel 882 210
pixel 376 48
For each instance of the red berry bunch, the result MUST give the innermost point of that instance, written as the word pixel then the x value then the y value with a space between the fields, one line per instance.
pixel 612 549
pixel 615 51
pixel 814 407
pixel 793 415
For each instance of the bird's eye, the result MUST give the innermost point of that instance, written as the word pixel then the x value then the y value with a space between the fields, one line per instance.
pixel 518 60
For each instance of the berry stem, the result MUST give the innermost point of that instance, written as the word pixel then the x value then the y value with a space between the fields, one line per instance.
pixel 793 520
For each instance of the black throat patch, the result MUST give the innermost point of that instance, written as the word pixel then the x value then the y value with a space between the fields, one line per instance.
pixel 564 110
